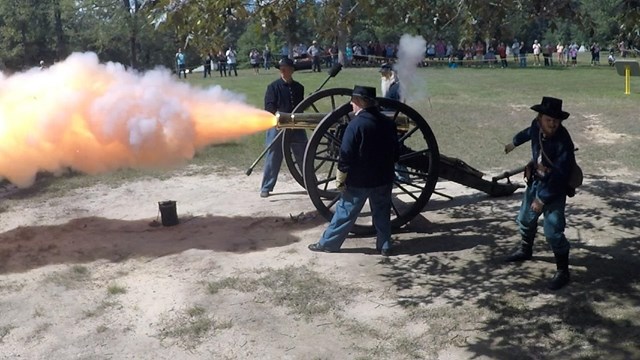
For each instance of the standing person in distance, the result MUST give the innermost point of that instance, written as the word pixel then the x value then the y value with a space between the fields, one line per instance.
pixel 547 186
pixel 206 62
pixel 282 95
pixel 368 153
pixel 222 63
pixel 181 66
pixel 232 60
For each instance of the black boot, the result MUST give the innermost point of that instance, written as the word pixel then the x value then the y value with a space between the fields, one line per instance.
pixel 561 277
pixel 523 253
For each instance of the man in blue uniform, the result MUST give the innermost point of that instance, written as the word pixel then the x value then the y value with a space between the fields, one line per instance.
pixel 547 186
pixel 368 153
pixel 282 95
pixel 389 83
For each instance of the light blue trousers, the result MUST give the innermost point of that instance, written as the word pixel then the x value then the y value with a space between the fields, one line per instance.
pixel 273 159
pixel 554 220
pixel 347 210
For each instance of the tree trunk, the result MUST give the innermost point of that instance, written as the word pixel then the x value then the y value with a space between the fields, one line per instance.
pixel 61 41
pixel 341 41
pixel 133 40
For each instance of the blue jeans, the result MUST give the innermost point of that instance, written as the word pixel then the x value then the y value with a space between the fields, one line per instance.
pixel 347 210
pixel 554 220
pixel 273 160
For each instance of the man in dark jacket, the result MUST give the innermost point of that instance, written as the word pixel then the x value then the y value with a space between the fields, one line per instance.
pixel 368 153
pixel 282 95
pixel 547 186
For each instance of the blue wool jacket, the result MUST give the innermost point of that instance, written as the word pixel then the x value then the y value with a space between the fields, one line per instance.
pixel 561 157
pixel 281 96
pixel 369 149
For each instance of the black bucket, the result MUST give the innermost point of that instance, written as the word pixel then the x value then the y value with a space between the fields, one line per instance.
pixel 168 212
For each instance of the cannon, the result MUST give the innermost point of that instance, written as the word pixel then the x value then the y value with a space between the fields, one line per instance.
pixel 326 114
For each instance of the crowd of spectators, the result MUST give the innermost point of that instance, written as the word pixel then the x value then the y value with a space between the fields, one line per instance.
pixel 438 52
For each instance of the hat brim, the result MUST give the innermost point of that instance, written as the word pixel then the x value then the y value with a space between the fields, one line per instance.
pixel 561 115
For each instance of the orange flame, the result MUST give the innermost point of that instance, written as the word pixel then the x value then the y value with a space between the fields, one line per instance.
pixel 96 118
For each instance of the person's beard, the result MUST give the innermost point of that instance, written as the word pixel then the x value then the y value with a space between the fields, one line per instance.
pixel 385 84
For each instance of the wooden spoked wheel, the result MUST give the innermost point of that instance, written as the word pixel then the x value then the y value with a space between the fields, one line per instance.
pixel 321 102
pixel 416 170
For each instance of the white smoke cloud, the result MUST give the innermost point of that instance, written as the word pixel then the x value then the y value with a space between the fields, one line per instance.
pixel 411 52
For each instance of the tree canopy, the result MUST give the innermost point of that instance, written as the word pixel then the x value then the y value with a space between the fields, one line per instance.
pixel 146 33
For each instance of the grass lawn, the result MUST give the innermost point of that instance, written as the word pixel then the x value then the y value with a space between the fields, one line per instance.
pixel 472 111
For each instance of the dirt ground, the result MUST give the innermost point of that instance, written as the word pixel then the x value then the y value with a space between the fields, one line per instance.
pixel 90 275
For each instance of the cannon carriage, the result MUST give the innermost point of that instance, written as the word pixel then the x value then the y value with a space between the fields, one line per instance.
pixel 325 115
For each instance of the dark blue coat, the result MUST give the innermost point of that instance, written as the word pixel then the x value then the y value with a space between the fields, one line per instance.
pixel 369 149
pixel 283 97
pixel 394 91
pixel 561 152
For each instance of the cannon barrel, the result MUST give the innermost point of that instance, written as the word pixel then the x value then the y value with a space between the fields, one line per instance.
pixel 311 120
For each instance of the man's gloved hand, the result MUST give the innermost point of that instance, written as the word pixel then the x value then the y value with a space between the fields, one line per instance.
pixel 341 180
pixel 509 148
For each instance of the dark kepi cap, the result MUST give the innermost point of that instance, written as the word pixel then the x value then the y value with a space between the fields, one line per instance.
pixel 366 92
pixel 385 67
pixel 552 107
pixel 285 61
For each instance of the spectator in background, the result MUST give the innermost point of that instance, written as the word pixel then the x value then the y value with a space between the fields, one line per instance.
pixel 490 57
pixel 266 57
pixel 479 53
pixel 595 54
pixel 546 54
pixel 181 66
pixel 232 60
pixel 623 49
pixel 523 55
pixel 573 53
pixel 515 50
pixel 314 51
pixel 222 63
pixel 254 60
pixel 206 62
pixel 611 58
pixel 537 49
pixel 560 48
pixel 502 52
pixel 348 55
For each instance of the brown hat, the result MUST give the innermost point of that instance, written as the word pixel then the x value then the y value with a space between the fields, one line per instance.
pixel 552 107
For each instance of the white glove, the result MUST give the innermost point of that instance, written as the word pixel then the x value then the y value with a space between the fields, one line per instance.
pixel 341 180
pixel 509 148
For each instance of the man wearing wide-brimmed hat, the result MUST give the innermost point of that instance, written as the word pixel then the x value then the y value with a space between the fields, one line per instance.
pixel 368 153
pixel 282 95
pixel 547 186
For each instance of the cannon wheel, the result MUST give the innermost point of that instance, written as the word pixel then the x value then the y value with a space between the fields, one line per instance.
pixel 416 170
pixel 323 101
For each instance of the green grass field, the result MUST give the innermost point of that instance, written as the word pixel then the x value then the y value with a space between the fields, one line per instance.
pixel 474 111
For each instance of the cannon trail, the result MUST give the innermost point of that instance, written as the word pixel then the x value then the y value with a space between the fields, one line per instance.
pixel 95 118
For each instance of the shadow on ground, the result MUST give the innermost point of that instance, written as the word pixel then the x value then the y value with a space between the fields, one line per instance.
pixel 92 238
pixel 596 316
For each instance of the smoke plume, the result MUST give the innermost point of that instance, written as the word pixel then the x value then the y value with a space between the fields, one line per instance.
pixel 96 118
pixel 411 52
